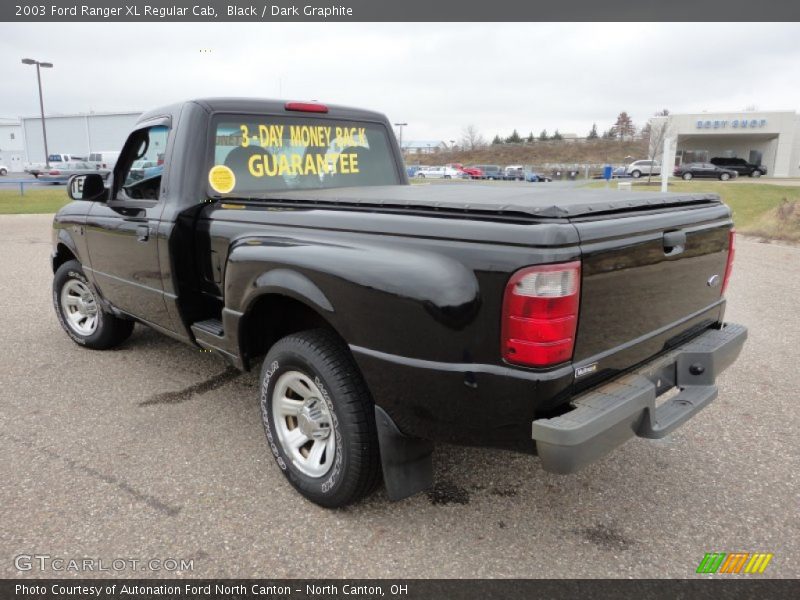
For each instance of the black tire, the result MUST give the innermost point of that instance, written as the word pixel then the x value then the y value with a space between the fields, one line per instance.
pixel 110 331
pixel 686 176
pixel 755 173
pixel 322 357
pixel 3 172
pixel 420 175
pixel 724 177
pixel 636 174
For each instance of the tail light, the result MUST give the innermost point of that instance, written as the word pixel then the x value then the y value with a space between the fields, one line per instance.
pixel 729 265
pixel 540 314
pixel 306 107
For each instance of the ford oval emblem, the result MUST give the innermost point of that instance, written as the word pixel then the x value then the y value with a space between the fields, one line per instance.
pixel 713 281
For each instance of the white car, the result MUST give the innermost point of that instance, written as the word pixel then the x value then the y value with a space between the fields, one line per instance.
pixel 643 167
pixel 3 170
pixel 439 173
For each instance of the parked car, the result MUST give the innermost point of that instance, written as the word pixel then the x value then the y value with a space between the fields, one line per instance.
pixel 620 173
pixel 643 167
pixel 740 165
pixel 54 160
pixel 62 172
pixel 534 177
pixel 384 317
pixel 3 170
pixel 514 173
pixel 412 170
pixel 104 160
pixel 491 171
pixel 144 169
pixel 691 170
pixel 473 172
pixel 438 173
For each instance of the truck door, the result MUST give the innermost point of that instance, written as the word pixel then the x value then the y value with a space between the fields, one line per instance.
pixel 122 232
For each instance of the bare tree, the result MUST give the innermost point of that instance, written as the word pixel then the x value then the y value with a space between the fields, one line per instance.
pixel 624 126
pixel 471 139
pixel 660 128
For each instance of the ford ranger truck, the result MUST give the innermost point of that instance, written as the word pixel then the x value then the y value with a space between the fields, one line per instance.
pixel 386 317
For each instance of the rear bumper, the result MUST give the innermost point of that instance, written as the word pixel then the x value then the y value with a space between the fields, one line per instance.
pixel 607 416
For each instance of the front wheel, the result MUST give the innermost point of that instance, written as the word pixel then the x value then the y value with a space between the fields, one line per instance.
pixel 687 176
pixel 81 315
pixel 724 176
pixel 3 172
pixel 755 173
pixel 319 418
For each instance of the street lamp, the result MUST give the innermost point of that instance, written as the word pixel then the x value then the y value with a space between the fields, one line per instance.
pixel 43 65
pixel 400 126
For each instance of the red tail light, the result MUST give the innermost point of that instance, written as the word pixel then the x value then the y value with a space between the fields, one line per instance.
pixel 540 314
pixel 306 107
pixel 729 265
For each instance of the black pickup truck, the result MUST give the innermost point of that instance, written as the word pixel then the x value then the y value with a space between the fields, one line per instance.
pixel 385 316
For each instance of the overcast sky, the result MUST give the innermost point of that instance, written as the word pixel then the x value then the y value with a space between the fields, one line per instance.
pixel 437 77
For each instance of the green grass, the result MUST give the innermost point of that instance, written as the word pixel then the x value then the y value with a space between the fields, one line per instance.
pixel 35 201
pixel 749 201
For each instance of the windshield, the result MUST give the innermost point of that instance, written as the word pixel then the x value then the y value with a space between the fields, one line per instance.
pixel 272 153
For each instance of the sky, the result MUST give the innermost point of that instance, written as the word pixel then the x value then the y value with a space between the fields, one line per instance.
pixel 437 77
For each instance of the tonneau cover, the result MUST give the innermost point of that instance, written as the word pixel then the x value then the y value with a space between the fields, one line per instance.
pixel 538 200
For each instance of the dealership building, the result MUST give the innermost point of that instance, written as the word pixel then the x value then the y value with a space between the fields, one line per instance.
pixel 769 138
pixel 21 139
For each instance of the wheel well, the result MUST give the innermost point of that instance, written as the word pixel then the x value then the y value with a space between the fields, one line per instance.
pixel 63 254
pixel 272 317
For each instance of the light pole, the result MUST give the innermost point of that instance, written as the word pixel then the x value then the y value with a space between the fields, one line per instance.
pixel 400 136
pixel 43 65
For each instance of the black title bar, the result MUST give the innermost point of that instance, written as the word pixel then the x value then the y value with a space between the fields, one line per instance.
pixel 398 11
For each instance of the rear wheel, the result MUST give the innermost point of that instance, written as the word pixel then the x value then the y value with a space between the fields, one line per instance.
pixel 755 173
pixel 687 176
pixel 319 418
pixel 636 174
pixel 3 172
pixel 724 176
pixel 81 315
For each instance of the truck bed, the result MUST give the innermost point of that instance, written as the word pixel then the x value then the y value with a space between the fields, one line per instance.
pixel 537 202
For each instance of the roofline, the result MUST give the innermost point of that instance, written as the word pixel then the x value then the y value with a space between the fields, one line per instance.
pixel 88 114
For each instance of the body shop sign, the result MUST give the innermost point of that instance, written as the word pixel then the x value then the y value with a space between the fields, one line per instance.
pixel 733 124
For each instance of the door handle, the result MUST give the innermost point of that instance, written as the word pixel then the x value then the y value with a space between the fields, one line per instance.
pixel 142 233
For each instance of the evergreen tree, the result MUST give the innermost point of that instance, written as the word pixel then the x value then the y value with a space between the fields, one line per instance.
pixel 497 140
pixel 543 137
pixel 593 133
pixel 514 138
pixel 624 126
pixel 530 139
pixel 557 136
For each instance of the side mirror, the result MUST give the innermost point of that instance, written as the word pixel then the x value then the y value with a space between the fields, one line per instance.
pixel 87 187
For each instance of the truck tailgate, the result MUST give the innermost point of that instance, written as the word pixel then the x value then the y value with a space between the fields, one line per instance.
pixel 650 278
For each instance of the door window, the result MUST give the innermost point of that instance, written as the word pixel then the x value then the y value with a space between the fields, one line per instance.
pixel 141 164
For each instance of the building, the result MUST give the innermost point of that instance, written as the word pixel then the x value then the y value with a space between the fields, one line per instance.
pixel 424 146
pixel 79 134
pixel 12 148
pixel 769 138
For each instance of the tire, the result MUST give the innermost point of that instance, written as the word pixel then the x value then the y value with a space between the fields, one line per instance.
pixel 335 415
pixel 448 177
pixel 755 173
pixel 3 172
pixel 80 314
pixel 686 176
pixel 724 176
pixel 636 174
pixel 420 176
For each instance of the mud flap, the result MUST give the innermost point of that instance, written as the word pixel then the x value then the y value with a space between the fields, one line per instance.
pixel 406 461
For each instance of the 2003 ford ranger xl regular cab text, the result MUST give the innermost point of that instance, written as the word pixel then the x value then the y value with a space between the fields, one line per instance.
pixel 386 317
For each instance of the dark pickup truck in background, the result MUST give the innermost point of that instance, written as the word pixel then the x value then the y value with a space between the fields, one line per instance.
pixel 386 317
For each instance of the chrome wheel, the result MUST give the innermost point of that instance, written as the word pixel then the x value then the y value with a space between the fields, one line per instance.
pixel 303 423
pixel 80 307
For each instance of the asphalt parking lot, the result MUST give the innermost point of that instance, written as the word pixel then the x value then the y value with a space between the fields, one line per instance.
pixel 156 451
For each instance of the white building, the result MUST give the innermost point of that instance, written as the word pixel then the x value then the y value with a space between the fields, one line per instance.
pixel 12 148
pixel 424 146
pixel 768 138
pixel 79 134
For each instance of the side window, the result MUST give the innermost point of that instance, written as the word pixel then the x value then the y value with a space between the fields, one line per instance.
pixel 141 164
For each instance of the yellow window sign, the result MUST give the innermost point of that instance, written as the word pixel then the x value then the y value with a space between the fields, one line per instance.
pixel 221 179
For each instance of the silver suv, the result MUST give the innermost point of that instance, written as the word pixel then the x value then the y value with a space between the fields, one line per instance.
pixel 643 167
